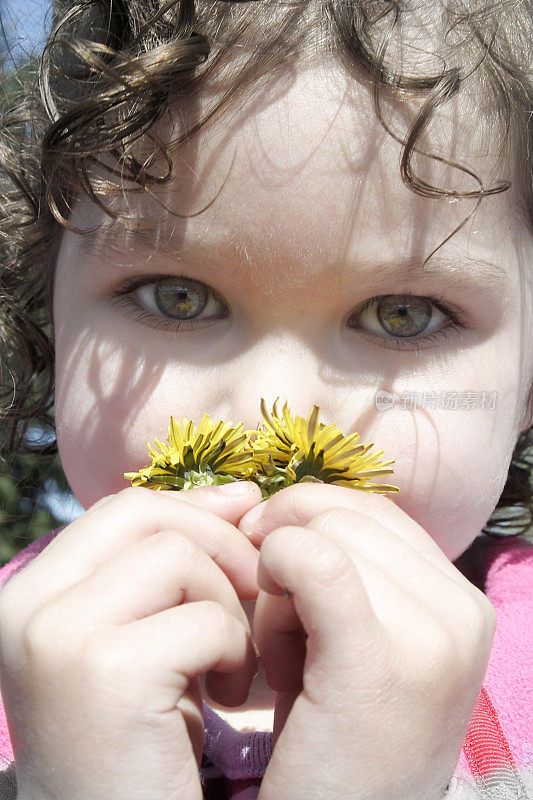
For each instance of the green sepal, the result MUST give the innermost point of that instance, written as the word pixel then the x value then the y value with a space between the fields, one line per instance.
pixel 207 478
pixel 173 481
pixel 310 479
pixel 191 479
pixel 276 479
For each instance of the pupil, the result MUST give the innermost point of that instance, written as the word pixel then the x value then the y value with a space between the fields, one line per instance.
pixel 404 319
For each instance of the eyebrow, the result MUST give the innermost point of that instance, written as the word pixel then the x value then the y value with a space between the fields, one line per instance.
pixel 455 269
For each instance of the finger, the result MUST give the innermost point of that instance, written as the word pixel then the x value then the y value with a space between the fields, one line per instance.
pixel 100 502
pixel 228 688
pixel 283 707
pixel 151 667
pixel 353 616
pixel 162 571
pixel 393 555
pixel 404 585
pixel 328 594
pixel 299 504
pixel 411 598
pixel 135 514
pixel 229 501
pixel 169 653
pixel 281 639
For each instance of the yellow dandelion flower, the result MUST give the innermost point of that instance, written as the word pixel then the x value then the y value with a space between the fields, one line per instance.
pixel 212 454
pixel 305 450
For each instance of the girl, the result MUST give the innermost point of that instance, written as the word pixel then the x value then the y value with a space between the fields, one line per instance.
pixel 227 201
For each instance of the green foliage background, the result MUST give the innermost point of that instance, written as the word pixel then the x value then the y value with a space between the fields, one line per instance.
pixel 23 515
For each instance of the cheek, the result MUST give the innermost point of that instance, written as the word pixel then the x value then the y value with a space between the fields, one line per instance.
pixel 450 465
pixel 110 402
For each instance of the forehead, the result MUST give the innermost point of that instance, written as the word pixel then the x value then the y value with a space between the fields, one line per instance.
pixel 306 171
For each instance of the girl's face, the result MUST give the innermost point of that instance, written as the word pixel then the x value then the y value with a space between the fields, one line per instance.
pixel 274 290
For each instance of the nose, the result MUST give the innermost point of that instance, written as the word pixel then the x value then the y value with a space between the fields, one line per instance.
pixel 281 366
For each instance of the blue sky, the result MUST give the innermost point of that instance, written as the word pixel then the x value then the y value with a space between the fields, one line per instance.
pixel 24 22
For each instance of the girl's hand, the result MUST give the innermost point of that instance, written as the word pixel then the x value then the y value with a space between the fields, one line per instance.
pixel 376 645
pixel 105 634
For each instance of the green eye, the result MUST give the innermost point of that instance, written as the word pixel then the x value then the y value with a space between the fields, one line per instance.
pixel 404 316
pixel 407 320
pixel 401 316
pixel 180 299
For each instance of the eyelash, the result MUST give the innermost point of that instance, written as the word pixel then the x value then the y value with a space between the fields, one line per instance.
pixel 455 323
pixel 122 298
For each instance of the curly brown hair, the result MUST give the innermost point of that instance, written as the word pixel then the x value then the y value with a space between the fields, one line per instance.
pixel 111 69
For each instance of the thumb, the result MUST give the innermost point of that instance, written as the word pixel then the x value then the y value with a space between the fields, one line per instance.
pixel 230 501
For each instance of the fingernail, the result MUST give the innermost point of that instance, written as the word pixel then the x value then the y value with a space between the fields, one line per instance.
pixel 255 538
pixel 237 488
pixel 248 523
